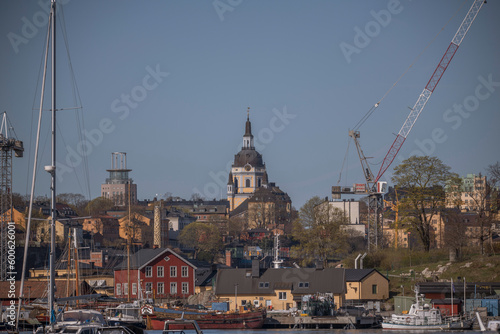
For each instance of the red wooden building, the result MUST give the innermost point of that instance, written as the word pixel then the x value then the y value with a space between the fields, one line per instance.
pixel 158 273
pixel 447 306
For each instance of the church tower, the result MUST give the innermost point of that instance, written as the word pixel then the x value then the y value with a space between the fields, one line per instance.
pixel 248 171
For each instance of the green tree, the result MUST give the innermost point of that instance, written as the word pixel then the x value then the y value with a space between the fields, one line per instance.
pixel 202 237
pixel 98 205
pixel 424 180
pixel 236 226
pixel 318 231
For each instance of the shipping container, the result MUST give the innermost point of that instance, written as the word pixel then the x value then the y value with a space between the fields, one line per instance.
pixel 472 304
pixel 491 305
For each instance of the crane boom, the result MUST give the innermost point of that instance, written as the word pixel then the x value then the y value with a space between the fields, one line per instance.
pixel 429 88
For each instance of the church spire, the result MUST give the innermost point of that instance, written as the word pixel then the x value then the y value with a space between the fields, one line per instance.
pixel 248 137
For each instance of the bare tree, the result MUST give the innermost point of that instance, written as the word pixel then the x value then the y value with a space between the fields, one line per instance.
pixel 478 196
pixel 455 230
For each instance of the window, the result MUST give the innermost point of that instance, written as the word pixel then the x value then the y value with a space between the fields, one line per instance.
pixel 184 271
pixel 185 288
pixel 149 271
pixel 125 289
pixel 263 285
pixel 160 289
pixel 374 289
pixel 149 286
pixel 159 271
pixel 173 271
pixel 282 295
pixel 134 288
pixel 303 284
pixel 173 288
pixel 118 289
pixel 247 183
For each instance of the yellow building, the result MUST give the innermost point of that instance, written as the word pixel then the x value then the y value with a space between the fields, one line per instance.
pixel 248 171
pixel 278 289
pixel 17 217
pixel 366 285
pixel 390 235
pixel 270 208
pixel 140 228
pixel 41 230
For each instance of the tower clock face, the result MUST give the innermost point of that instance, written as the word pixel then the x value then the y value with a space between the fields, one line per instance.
pixel 248 167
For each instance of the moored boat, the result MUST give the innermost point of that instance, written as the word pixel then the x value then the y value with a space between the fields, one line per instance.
pixel 156 317
pixel 125 314
pixel 422 316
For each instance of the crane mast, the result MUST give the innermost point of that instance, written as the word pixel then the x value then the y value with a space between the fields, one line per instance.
pixel 429 88
pixel 7 146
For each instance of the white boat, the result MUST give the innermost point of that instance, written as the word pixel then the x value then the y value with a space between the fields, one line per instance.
pixel 493 325
pixel 76 321
pixel 422 316
pixel 125 314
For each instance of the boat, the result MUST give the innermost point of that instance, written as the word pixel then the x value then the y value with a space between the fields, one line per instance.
pixel 125 314
pixel 206 319
pixel 75 320
pixel 422 316
pixel 493 325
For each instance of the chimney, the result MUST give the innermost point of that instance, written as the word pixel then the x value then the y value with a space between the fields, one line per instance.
pixel 157 227
pixel 228 258
pixel 319 265
pixel 255 268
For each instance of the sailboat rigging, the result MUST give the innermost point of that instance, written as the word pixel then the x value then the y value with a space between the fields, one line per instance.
pixel 51 31
pixel 74 318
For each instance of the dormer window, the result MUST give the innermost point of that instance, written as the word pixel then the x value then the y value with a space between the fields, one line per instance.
pixel 303 285
pixel 263 285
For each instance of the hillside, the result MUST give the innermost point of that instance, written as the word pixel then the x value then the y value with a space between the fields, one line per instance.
pixel 474 268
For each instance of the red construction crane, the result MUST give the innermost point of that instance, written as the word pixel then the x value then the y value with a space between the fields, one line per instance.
pixel 374 189
pixel 429 88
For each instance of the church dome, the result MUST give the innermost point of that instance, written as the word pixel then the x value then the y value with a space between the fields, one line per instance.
pixel 248 156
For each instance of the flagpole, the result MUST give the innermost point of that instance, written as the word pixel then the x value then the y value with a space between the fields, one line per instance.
pixel 465 297
pixel 452 297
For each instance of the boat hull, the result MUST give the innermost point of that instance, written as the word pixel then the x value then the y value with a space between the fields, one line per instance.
pixel 459 325
pixel 250 320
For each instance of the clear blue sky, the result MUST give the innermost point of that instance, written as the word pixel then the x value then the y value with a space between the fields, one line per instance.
pixel 302 67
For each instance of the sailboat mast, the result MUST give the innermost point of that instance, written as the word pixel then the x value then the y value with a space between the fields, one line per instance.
pixel 53 171
pixel 35 164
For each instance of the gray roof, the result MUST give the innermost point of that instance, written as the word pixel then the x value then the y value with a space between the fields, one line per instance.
pixel 145 256
pixel 357 275
pixel 329 280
